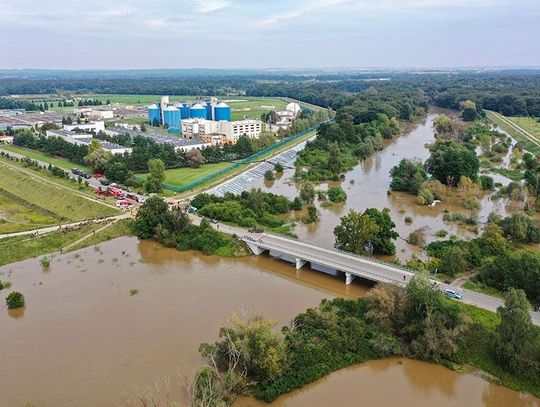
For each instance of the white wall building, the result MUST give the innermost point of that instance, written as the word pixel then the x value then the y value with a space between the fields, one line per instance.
pixel 231 131
pixel 94 126
pixel 83 139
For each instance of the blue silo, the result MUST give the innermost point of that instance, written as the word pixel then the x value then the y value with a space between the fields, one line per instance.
pixel 197 111
pixel 222 111
pixel 171 117
pixel 184 111
pixel 154 114
pixel 209 110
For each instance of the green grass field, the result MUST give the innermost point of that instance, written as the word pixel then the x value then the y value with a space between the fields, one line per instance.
pixel 532 145
pixel 15 217
pixel 37 155
pixel 65 204
pixel 528 124
pixel 185 175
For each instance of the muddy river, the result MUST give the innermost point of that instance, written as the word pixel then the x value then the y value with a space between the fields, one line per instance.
pixel 367 186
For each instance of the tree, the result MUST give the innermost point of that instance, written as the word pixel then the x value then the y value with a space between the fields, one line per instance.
pixel 382 243
pixel 521 228
pixel 97 157
pixel 449 162
pixel 408 176
pixel 312 215
pixel 15 300
pixel 278 168
pixel 307 193
pixel 520 269
pixel 336 194
pixel 354 232
pixel 118 172
pixel 257 349
pixel 515 334
pixel 334 160
pixel 244 146
pixel 152 213
pixel 195 158
pixel 156 176
pixel 469 112
pixel 269 175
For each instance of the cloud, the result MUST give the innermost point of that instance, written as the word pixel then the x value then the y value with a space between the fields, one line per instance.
pixel 209 6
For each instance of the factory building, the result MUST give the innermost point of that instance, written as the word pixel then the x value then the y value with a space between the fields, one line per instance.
pixel 231 131
pixel 83 139
pixel 172 114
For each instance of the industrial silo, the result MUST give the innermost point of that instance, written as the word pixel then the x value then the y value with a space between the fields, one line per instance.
pixel 184 111
pixel 209 110
pixel 222 111
pixel 154 114
pixel 171 117
pixel 197 111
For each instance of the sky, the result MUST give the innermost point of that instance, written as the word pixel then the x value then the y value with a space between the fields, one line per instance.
pixel 123 34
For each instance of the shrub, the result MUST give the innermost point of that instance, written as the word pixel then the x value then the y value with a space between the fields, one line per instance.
pixel 408 219
pixel 45 262
pixel 441 233
pixel 278 167
pixel 337 194
pixel 486 183
pixel 425 197
pixel 269 176
pixel 133 291
pixel 417 238
pixel 15 300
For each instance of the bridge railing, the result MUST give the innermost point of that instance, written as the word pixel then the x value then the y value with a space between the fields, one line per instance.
pixel 368 258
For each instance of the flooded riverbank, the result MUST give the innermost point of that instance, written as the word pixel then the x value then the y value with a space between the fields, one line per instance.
pixel 399 382
pixel 83 340
pixel 367 186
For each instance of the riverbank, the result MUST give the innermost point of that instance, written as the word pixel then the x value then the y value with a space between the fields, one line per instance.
pixel 340 333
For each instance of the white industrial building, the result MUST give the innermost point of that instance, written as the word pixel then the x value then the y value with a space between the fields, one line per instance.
pixel 93 126
pixel 83 139
pixel 284 118
pixel 231 131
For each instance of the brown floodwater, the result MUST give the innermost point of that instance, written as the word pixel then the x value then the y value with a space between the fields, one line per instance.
pixel 399 382
pixel 367 186
pixel 82 340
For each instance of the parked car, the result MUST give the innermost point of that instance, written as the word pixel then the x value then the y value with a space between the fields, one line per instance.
pixel 453 294
pixel 213 220
pixel 104 181
pixel 98 175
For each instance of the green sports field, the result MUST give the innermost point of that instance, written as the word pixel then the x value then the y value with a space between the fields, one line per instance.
pixel 185 175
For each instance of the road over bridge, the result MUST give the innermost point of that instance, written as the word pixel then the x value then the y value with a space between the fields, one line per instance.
pixel 350 266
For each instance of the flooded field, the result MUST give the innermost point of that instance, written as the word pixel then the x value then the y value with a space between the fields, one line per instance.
pixel 367 186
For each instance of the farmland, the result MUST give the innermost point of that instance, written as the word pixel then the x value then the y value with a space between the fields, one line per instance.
pixel 47 197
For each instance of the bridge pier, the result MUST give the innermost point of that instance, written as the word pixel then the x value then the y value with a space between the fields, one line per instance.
pixel 299 263
pixel 255 249
pixel 349 278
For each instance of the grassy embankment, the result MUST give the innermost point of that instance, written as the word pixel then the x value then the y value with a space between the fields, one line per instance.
pixel 19 248
pixel 523 129
pixel 117 229
pixel 39 156
pixel 43 195
pixel 15 217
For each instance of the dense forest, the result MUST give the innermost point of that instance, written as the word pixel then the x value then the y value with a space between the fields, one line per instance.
pixel 510 92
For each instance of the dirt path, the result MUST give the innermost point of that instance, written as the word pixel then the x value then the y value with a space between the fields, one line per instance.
pixel 82 239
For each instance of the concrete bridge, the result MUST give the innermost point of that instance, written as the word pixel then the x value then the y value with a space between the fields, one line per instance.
pixel 327 260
